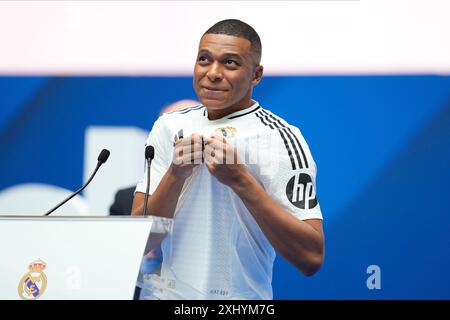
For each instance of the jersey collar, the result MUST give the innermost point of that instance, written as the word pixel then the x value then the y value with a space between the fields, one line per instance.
pixel 255 106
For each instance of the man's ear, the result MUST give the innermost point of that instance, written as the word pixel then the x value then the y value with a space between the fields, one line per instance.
pixel 259 70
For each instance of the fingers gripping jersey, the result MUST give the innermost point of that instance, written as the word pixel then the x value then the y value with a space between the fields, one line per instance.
pixel 216 250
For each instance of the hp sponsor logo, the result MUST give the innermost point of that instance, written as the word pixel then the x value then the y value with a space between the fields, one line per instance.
pixel 301 192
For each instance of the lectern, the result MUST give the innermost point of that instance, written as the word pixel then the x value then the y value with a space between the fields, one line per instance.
pixel 74 257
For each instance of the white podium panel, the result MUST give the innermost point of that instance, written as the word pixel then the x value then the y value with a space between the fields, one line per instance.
pixel 72 257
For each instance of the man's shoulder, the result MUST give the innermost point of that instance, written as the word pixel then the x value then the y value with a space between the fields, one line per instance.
pixel 272 120
pixel 194 110
pixel 167 121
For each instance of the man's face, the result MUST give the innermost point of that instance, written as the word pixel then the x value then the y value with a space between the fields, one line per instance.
pixel 225 73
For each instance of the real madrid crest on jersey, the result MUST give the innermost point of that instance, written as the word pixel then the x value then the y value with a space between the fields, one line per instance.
pixel 33 284
pixel 226 132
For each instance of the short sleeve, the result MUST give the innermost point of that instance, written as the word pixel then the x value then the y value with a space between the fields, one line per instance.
pixel 159 138
pixel 293 181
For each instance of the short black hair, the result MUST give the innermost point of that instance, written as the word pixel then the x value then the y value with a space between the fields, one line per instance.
pixel 238 28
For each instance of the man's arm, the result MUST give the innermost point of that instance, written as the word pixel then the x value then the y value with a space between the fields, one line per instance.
pixel 164 200
pixel 300 242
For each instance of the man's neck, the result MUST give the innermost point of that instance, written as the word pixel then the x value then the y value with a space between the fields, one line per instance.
pixel 218 114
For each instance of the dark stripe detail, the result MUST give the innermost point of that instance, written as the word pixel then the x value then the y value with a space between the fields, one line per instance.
pixel 291 134
pixel 186 110
pixel 269 122
pixel 244 114
pixel 261 118
pixel 297 155
pixel 301 149
pixel 266 121
pixel 286 144
pixel 192 109
pixel 282 127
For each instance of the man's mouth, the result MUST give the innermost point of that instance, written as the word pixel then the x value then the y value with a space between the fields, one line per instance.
pixel 213 89
pixel 213 93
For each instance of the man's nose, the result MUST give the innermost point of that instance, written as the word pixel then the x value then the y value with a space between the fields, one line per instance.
pixel 215 72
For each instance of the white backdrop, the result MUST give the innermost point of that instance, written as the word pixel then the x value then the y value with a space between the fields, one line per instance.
pixel 155 37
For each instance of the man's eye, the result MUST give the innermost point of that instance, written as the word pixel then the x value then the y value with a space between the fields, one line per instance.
pixel 232 62
pixel 202 59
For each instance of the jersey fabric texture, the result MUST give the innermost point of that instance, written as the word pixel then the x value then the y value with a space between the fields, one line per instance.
pixel 216 250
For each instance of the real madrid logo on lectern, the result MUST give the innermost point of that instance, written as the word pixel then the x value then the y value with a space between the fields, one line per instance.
pixel 33 284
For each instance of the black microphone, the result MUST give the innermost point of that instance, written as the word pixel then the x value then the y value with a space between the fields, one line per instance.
pixel 149 155
pixel 102 157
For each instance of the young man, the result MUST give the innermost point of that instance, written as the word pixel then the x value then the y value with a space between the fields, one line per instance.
pixel 238 181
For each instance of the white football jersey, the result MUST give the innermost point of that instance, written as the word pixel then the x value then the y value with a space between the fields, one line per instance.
pixel 216 250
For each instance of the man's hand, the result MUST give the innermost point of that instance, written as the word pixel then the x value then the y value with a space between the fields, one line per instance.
pixel 187 154
pixel 223 162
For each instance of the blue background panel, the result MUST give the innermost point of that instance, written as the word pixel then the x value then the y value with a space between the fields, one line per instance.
pixel 381 144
